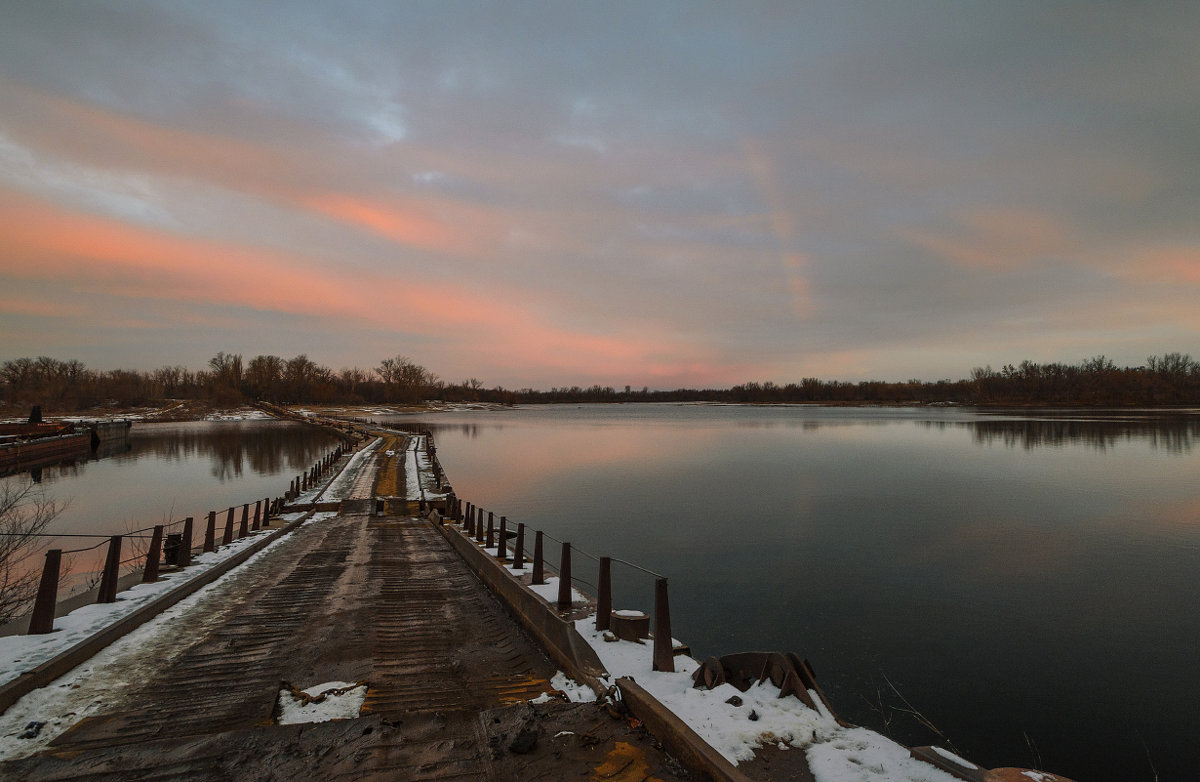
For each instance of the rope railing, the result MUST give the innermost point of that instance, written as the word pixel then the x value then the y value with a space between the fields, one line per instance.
pixel 89 548
pixel 628 625
pixel 175 548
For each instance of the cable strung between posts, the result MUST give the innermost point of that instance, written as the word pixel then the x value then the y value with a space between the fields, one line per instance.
pixel 639 567
pixel 89 548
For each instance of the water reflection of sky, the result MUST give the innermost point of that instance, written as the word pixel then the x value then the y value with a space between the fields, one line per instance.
pixel 173 470
pixel 1006 572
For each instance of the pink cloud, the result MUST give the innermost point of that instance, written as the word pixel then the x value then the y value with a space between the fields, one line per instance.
pixel 998 239
pixel 1171 264
pixel 496 327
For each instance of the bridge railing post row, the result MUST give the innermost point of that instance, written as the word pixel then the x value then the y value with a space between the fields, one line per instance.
pixel 539 563
pixel 564 577
pixel 210 533
pixel 604 594
pixel 664 645
pixel 112 565
pixel 519 548
pixel 153 554
pixel 184 557
pixel 42 620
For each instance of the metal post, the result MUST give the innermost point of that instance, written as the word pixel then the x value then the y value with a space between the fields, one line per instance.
pixel 479 526
pixel 519 548
pixel 227 538
pixel 257 515
pixel 112 564
pixel 266 512
pixel 664 646
pixel 42 620
pixel 502 543
pixel 491 535
pixel 184 557
pixel 150 572
pixel 244 527
pixel 539 565
pixel 564 577
pixel 604 594
pixel 210 534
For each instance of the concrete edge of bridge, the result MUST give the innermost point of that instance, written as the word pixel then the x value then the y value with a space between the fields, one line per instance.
pixel 568 649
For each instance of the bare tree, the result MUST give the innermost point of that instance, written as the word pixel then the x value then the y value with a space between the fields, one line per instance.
pixel 25 512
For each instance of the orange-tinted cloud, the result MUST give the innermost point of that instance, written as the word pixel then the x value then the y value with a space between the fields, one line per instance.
pixel 406 226
pixel 494 328
pixel 1170 264
pixel 998 239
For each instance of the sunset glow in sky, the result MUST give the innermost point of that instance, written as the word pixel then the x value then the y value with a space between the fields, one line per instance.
pixel 654 194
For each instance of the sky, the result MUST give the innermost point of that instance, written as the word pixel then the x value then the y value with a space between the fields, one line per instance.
pixel 540 194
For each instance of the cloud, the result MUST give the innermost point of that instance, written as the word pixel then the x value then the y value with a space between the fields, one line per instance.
pixel 998 239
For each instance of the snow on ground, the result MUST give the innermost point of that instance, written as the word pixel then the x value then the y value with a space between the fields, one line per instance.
pixel 417 464
pixel 322 703
pixel 92 685
pixel 833 752
pixel 573 690
pixel 20 653
pixel 412 471
pixel 337 487
pixel 240 414
pixel 549 591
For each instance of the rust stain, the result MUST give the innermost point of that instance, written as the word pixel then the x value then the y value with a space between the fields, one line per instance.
pixel 625 763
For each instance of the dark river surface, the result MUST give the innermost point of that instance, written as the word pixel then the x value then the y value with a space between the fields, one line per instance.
pixel 173 470
pixel 1029 583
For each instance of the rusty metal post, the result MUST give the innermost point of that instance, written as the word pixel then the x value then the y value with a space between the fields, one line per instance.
pixel 502 540
pixel 184 557
pixel 519 547
pixel 564 577
pixel 227 538
pixel 539 564
pixel 604 594
pixel 244 527
pixel 112 566
pixel 257 515
pixel 491 535
pixel 210 534
pixel 664 646
pixel 42 620
pixel 150 572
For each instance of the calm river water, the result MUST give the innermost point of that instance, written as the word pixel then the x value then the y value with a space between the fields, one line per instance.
pixel 1028 583
pixel 173 470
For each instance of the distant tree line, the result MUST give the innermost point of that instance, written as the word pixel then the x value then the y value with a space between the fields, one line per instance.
pixel 1170 379
pixel 228 380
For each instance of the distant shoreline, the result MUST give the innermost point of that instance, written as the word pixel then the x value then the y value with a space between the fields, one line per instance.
pixel 196 410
